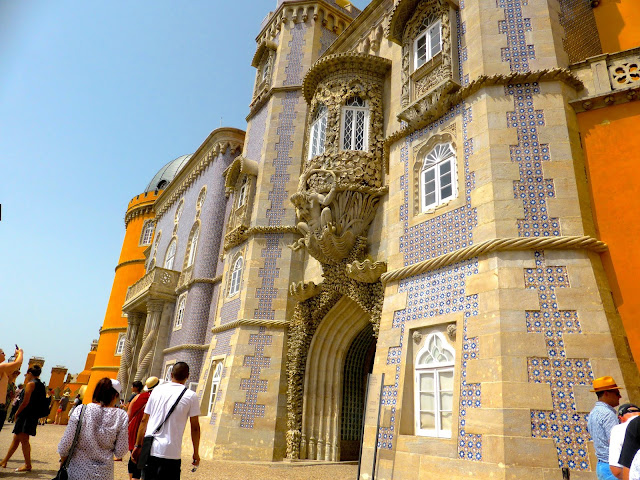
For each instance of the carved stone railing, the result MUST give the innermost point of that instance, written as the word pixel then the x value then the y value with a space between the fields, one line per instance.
pixel 615 79
pixel 158 283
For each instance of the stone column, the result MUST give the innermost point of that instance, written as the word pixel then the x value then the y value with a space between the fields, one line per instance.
pixel 126 362
pixel 154 314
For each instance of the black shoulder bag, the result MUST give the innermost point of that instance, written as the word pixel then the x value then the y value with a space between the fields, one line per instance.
pixel 145 452
pixel 62 473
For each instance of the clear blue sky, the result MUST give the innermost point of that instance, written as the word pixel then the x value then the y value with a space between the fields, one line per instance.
pixel 94 98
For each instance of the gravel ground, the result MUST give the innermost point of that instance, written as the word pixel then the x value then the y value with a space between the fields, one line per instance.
pixel 45 464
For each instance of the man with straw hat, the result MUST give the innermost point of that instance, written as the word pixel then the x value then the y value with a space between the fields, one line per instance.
pixel 601 420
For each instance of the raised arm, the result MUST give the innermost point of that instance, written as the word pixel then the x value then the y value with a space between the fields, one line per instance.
pixel 10 367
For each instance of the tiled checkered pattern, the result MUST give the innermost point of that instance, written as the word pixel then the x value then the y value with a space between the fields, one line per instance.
pixel 326 39
pixel 293 70
pixel 515 26
pixel 564 423
pixel 256 135
pixel 249 410
pixel 529 154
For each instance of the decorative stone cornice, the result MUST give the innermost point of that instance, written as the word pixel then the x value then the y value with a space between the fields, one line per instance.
pixel 193 281
pixel 137 211
pixel 496 245
pixel 329 14
pixel 104 368
pixel 240 165
pixel 350 61
pixel 130 262
pixel 186 346
pixel 610 99
pixel 250 322
pixel 217 143
pixel 400 15
pixel 112 329
pixel 242 234
pixel 262 46
pixel 263 97
pixel 432 106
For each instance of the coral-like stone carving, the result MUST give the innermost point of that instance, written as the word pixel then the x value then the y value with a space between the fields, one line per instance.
pixel 367 271
pixel 452 330
pixel 303 291
pixel 417 337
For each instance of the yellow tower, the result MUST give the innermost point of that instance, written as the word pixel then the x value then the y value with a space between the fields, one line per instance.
pixel 138 237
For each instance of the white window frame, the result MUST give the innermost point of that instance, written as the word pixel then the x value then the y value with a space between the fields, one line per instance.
pixel 168 368
pixel 435 163
pixel 202 196
pixel 170 255
pixel 147 232
pixel 426 34
pixel 354 110
pixel 216 376
pixel 242 194
pixel 180 308
pixel 436 368
pixel 236 276
pixel 193 386
pixel 193 246
pixel 318 131
pixel 122 338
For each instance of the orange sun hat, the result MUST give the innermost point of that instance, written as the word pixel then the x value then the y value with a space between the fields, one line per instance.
pixel 602 384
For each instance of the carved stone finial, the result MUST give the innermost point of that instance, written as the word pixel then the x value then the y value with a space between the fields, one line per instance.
pixel 451 331
pixel 417 337
pixel 303 291
pixel 367 271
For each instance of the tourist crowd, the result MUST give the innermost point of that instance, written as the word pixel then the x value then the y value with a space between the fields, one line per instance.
pixel 149 425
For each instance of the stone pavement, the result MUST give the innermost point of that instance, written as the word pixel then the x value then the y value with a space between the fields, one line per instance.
pixel 45 463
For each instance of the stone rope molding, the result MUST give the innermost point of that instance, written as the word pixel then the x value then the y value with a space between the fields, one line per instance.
pixel 250 322
pixel 496 245
pixel 193 281
pixel 240 235
pixel 186 346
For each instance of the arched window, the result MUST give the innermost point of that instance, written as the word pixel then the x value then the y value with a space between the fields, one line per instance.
pixel 120 345
pixel 318 131
pixel 215 384
pixel 179 211
pixel 168 369
pixel 193 246
pixel 170 255
pixel 428 43
pixel 201 198
pixel 182 302
pixel 236 276
pixel 355 124
pixel 439 176
pixel 242 194
pixel 147 232
pixel 434 388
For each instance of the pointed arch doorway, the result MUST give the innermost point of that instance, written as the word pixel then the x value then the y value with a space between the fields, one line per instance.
pixel 340 356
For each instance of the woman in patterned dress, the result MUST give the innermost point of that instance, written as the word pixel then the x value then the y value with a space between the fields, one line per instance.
pixel 103 435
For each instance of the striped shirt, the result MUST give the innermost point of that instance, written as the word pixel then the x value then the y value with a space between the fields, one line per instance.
pixel 599 424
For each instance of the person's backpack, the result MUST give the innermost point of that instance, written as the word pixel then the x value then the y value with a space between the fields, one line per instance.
pixel 40 401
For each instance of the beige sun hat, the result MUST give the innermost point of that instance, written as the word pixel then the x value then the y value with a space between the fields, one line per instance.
pixel 151 383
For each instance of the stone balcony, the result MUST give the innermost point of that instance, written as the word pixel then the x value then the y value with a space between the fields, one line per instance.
pixel 609 79
pixel 158 284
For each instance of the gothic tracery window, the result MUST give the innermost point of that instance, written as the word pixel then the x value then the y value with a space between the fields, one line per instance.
pixel 434 388
pixel 236 276
pixel 182 302
pixel 170 255
pixel 192 246
pixel 147 232
pixel 428 43
pixel 215 384
pixel 355 124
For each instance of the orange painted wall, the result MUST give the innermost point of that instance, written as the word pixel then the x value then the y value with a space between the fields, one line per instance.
pixel 618 22
pixel 612 145
pixel 57 378
pixel 125 276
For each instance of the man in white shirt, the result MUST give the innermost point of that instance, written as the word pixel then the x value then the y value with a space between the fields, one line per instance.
pixel 164 461
pixel 626 412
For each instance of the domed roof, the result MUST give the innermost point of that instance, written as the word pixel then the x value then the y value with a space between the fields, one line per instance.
pixel 167 173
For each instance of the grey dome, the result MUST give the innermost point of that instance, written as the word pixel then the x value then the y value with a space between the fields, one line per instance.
pixel 167 173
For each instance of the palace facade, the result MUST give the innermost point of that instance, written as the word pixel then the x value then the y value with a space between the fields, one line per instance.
pixel 425 240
